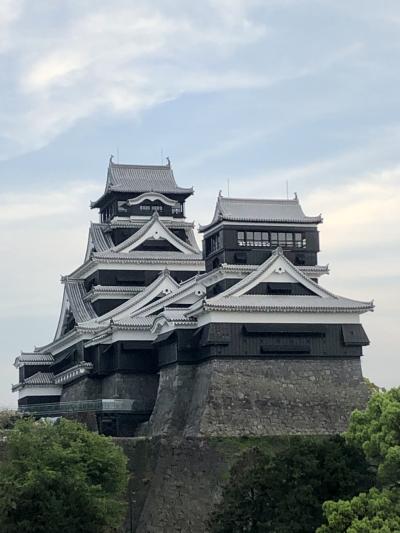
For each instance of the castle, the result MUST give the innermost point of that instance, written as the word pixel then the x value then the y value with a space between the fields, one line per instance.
pixel 157 337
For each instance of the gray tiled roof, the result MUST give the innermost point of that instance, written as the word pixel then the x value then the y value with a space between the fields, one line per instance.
pixel 80 307
pixel 260 210
pixel 303 304
pixel 135 322
pixel 34 359
pixel 117 291
pixel 40 378
pixel 101 240
pixel 157 257
pixel 128 223
pixel 141 178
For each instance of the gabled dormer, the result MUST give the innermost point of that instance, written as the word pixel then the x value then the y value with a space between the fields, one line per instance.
pixel 154 235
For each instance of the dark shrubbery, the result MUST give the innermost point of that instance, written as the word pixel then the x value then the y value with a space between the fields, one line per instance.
pixel 284 492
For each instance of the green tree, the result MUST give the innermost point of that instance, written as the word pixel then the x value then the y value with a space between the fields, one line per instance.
pixel 284 492
pixel 375 511
pixel 61 478
pixel 376 431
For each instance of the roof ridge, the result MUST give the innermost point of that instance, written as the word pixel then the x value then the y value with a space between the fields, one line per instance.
pixel 255 200
pixel 128 165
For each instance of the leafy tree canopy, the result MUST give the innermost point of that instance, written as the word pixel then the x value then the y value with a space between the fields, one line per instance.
pixel 375 511
pixel 284 493
pixel 377 432
pixel 61 477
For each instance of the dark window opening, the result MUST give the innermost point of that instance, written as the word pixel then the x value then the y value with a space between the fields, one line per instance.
pixel 213 243
pixel 177 209
pixel 267 239
pixel 147 208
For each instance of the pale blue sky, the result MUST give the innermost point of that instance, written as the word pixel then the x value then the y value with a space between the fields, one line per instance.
pixel 257 92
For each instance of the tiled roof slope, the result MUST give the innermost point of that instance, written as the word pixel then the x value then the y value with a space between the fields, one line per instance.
pixel 260 210
pixel 80 307
pixel 277 304
pixel 141 178
pixel 40 378
pixel 100 239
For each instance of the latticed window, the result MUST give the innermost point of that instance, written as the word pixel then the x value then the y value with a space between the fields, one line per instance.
pixel 271 239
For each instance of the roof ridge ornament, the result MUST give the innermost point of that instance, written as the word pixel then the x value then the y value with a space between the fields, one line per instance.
pixel 111 162
pixel 168 162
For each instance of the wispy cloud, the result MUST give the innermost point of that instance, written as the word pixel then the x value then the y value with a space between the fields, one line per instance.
pixel 45 204
pixel 120 57
pixel 67 63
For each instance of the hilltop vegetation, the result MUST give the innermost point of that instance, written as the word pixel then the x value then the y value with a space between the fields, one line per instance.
pixel 348 484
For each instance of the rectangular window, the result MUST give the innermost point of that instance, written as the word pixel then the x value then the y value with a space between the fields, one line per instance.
pixel 289 240
pixel 158 208
pixel 144 207
pixel 265 239
pixel 259 239
pixel 213 243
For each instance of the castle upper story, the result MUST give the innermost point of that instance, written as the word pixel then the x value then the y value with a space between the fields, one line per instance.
pixel 140 191
pixel 247 230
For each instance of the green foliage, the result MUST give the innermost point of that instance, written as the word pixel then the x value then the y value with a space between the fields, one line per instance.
pixel 377 511
pixel 284 492
pixel 377 432
pixel 61 477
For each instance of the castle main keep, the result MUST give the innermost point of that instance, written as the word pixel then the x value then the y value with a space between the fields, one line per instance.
pixel 157 337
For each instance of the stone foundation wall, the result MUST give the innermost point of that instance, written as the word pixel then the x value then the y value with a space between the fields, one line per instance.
pixel 225 397
pixel 139 387
pixel 173 400
pixel 83 389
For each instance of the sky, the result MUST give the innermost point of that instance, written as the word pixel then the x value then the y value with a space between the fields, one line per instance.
pixel 257 93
